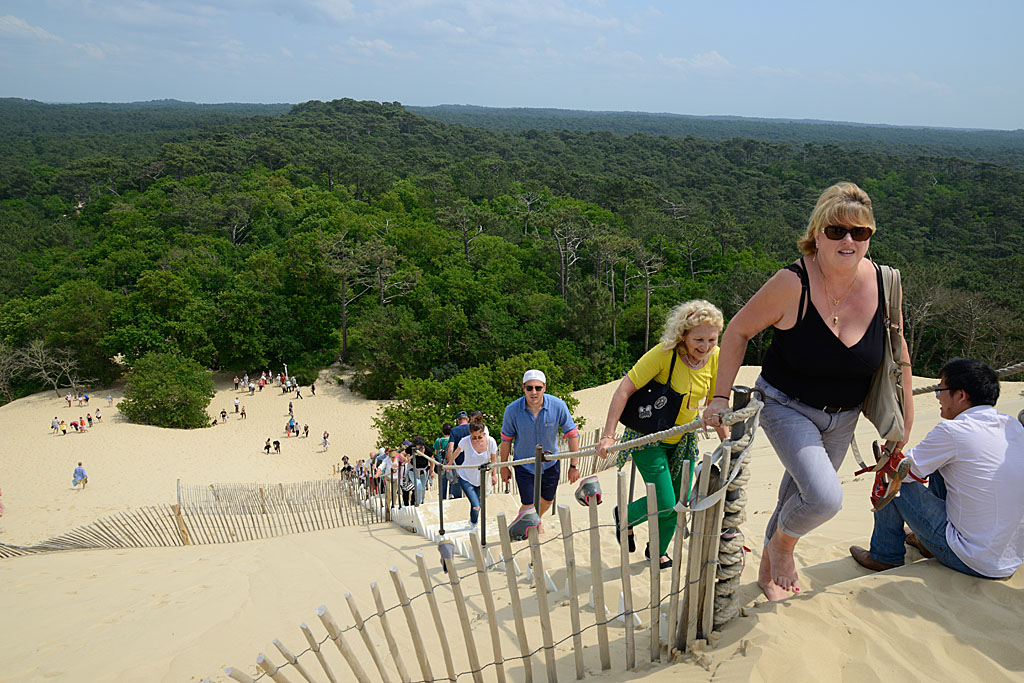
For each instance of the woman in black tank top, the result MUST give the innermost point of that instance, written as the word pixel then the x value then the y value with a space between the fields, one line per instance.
pixel 827 311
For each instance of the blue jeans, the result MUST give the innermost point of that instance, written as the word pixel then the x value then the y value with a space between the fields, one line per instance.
pixel 473 496
pixel 446 488
pixel 923 508
pixel 811 445
pixel 421 486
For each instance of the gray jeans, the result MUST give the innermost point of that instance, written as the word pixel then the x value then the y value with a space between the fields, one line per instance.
pixel 811 445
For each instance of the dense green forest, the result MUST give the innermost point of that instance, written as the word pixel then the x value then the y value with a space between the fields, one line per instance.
pixel 998 146
pixel 415 249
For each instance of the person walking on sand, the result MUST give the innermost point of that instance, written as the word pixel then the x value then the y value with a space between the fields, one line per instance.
pixel 55 425
pixel 63 428
pixel 99 418
pixel 67 398
pixel 243 412
pixel 110 401
pixel 79 477
pixel 266 446
pixel 298 390
pixel 291 409
pixel 88 418
pixel 236 404
pixel 277 447
pixel 533 420
pixel 312 388
pixel 327 441
pixel 305 431
pixel 236 382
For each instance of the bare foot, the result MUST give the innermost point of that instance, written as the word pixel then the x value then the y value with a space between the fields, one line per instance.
pixel 771 590
pixel 783 567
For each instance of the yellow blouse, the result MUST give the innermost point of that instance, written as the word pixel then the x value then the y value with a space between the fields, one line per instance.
pixel 695 385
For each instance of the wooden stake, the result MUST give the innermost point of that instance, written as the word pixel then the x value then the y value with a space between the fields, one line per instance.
pixel 627 591
pixel 513 591
pixel 271 669
pixel 428 589
pixel 597 581
pixel 467 628
pixel 286 653
pixel 694 569
pixel 565 521
pixel 492 619
pixel 367 641
pixel 414 629
pixel 181 526
pixel 677 557
pixel 239 676
pixel 654 534
pixel 542 606
pixel 396 655
pixel 343 647
pixel 315 647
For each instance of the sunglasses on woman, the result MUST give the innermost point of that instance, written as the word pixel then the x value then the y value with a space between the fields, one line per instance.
pixel 838 232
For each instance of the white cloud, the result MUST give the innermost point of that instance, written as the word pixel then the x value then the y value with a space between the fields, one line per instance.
pixel 442 26
pixel 14 26
pixel 91 49
pixel 705 61
pixel 376 45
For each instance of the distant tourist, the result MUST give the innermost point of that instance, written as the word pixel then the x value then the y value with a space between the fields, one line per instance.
pixel 99 418
pixel 266 447
pixel 277 447
pixel 55 425
pixel 79 477
pixel 243 412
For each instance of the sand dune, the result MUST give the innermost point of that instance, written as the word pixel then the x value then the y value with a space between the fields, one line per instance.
pixel 180 614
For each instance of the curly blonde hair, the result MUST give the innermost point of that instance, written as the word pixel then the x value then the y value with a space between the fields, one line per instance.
pixel 842 204
pixel 687 316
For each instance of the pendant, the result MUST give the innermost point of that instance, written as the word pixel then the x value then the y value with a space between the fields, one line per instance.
pixel 835 321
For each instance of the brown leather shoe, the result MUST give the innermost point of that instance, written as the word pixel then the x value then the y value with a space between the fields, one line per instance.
pixel 864 559
pixel 914 542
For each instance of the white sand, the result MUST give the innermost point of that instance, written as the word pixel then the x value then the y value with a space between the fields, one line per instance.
pixel 180 614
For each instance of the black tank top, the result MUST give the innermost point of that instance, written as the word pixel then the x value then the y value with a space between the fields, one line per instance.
pixel 809 363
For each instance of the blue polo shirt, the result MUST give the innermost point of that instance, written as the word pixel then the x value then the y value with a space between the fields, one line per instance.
pixel 525 431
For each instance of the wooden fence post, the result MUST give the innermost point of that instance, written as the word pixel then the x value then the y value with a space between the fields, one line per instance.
pixel 542 606
pixel 565 521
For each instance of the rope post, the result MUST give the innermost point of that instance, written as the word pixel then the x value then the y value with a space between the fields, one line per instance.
pixel 441 499
pixel 483 505
pixel 538 472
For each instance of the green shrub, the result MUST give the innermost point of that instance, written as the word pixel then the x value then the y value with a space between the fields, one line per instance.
pixel 166 390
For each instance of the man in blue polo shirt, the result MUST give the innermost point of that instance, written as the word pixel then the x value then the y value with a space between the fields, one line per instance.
pixel 531 420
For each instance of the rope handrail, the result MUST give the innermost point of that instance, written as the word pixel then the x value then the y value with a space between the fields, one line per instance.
pixel 728 418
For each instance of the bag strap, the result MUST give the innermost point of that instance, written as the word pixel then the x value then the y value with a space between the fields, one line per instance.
pixel 671 367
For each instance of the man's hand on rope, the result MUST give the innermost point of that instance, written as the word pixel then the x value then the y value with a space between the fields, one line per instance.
pixel 603 444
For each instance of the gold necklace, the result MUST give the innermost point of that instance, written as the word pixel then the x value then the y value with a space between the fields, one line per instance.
pixel 832 302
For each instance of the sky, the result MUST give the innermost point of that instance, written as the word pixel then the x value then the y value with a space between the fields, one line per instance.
pixel 904 62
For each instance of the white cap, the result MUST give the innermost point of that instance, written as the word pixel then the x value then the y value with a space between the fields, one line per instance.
pixel 534 374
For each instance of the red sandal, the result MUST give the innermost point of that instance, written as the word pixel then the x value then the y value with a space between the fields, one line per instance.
pixel 891 468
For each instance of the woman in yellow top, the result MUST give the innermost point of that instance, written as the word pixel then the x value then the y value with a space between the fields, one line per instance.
pixel 691 333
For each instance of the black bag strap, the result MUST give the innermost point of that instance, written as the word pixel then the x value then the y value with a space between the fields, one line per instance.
pixel 805 287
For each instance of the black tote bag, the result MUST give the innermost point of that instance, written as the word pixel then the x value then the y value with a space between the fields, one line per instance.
pixel 654 406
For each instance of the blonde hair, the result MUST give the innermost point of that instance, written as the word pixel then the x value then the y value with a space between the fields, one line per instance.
pixel 687 316
pixel 842 204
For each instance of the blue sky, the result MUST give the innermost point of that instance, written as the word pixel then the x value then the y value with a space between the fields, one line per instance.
pixel 932 63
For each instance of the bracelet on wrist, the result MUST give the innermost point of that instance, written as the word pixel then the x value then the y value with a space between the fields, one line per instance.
pixel 720 396
pixel 608 436
pixel 571 466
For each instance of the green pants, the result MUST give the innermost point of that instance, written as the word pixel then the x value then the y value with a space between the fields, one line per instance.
pixel 653 461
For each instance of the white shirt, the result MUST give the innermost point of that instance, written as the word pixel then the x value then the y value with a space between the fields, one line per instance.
pixel 980 454
pixel 474 457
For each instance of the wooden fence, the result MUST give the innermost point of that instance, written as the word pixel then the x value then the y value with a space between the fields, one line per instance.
pixel 224 513
pixel 701 596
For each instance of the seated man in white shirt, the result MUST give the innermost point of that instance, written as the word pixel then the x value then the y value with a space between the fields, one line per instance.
pixel 971 515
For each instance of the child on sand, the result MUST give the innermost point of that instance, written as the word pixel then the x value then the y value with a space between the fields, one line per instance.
pixel 79 477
